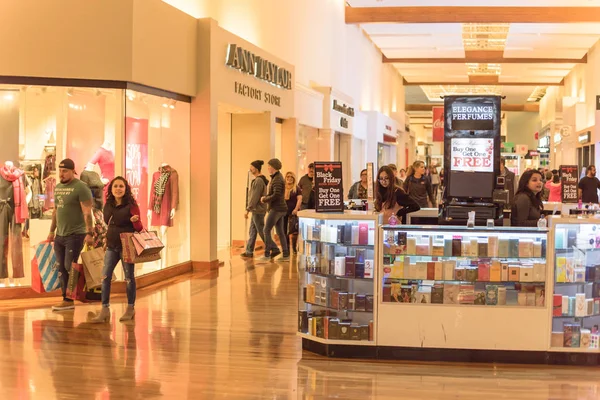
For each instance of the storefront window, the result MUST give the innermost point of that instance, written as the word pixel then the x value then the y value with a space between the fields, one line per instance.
pixel 157 165
pixel 41 125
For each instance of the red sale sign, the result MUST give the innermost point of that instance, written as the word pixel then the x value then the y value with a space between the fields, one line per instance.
pixel 438 124
pixel 472 155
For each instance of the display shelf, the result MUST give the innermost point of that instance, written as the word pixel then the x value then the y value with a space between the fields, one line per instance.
pixel 570 316
pixel 336 276
pixel 468 257
pixel 338 309
pixel 463 281
pixel 573 283
pixel 368 246
pixel 573 350
pixel 335 341
pixel 502 306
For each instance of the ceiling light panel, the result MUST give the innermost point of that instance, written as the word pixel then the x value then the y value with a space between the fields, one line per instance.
pixel 485 36
pixel 434 93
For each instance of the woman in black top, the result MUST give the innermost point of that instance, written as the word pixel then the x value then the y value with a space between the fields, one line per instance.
pixel 121 214
pixel 527 204
pixel 391 199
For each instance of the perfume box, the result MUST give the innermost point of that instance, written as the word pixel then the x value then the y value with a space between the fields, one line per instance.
pixel 333 331
pixel 303 321
pixel 334 298
pixel 561 269
pixel 513 247
pixel 526 274
pixel 351 301
pixel 386 291
pixel 437 251
pixel 589 305
pixel 343 301
pixel 525 248
pixel 557 339
pixel 354 332
pixel 320 328
pixel 402 242
pixel 473 247
pixel 586 338
pixel 504 272
pixel 460 274
pixel 406 294
pixel 522 299
pixel 572 304
pixel 423 250
pixel 539 272
pixel 348 233
pixel 363 233
pixel 437 294
pixel 493 246
pixel 596 289
pixel 482 249
pixel 355 235
pixel 421 270
pixel 480 297
pixel 590 274
pixel 438 271
pixel 483 272
pixel 530 299
pixel 449 267
pixel 596 306
pixel 565 305
pixel 344 328
pixel 364 332
pixel 369 302
pixel 496 271
pixel 514 273
pixel 471 274
pixel 350 267
pixel 466 294
pixel 501 295
pixel 397 270
pixel 465 247
pixel 503 248
pixel 340 234
pixel 361 302
pixel 396 293
pixel 594 341
pixel 491 295
pixel 540 296
pixel 537 249
pixel 580 305
pixel 450 293
pixel 456 247
pixel 340 266
pixel 431 270
pixel 512 297
pixel 369 267
pixel 371 237
pixel 580 275
pixel 448 247
pixel 316 235
pixel 423 296
pixel 411 246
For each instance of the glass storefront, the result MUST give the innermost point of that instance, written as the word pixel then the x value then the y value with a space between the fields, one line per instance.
pixel 107 132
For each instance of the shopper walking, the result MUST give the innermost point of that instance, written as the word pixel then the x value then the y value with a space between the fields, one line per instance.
pixel 122 215
pixel 435 182
pixel 275 202
pixel 394 169
pixel 402 175
pixel 509 180
pixel 391 199
pixel 293 199
pixel 418 186
pixel 554 186
pixel 306 184
pixel 588 186
pixel 258 189
pixel 359 189
pixel 72 225
pixel 527 205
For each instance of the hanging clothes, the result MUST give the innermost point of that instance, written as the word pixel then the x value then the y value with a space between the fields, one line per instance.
pixel 10 231
pixel 35 207
pixel 49 165
pixel 164 195
pixel 49 186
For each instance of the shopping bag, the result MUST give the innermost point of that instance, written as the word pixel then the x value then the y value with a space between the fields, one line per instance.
pixel 129 253
pixel 46 264
pixel 76 285
pixel 93 264
pixel 36 278
pixel 146 243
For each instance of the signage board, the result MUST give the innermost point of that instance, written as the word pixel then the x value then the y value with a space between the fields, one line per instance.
pixel 570 180
pixel 472 155
pixel 438 124
pixel 329 190
pixel 252 64
pixel 472 117
pixel 584 138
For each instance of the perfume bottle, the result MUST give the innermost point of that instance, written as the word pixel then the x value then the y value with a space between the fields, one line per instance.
pixel 393 220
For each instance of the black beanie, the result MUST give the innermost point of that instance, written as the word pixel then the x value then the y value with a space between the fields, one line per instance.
pixel 257 164
pixel 275 163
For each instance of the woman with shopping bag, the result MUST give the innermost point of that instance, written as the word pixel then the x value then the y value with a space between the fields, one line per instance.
pixel 121 214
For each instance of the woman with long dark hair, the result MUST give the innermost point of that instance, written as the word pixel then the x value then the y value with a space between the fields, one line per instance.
pixel 121 214
pixel 391 199
pixel 527 205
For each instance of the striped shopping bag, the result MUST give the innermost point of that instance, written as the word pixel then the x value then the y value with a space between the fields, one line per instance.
pixel 46 261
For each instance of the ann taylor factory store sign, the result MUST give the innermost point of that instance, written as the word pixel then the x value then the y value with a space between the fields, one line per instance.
pixel 249 63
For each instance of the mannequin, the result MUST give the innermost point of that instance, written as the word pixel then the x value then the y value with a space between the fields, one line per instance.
pixel 105 159
pixel 164 200
pixel 13 213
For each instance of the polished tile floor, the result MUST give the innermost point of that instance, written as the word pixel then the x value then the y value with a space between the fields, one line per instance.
pixel 231 336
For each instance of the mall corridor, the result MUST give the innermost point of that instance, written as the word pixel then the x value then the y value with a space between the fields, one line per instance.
pixel 231 336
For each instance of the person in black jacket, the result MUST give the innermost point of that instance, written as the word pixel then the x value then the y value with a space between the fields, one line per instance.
pixel 527 205
pixel 391 199
pixel 275 200
pixel 418 186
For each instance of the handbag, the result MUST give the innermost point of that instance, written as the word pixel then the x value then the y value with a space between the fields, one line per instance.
pixel 129 253
pixel 292 224
pixel 147 243
pixel 93 264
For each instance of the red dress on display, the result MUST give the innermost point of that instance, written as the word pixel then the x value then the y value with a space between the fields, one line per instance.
pixel 106 161
pixel 168 200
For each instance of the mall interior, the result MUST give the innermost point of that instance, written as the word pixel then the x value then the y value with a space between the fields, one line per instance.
pixel 479 304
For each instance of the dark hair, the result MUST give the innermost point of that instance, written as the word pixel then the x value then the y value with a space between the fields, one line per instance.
pixel 555 178
pixel 364 170
pixel 549 175
pixel 127 197
pixel 590 166
pixel 503 161
pixel 311 166
pixel 536 199
pixel 385 195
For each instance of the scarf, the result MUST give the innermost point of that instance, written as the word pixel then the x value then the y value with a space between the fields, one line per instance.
pixel 13 174
pixel 159 187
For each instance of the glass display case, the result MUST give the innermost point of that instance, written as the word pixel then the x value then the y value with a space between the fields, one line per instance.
pixel 576 280
pixel 337 275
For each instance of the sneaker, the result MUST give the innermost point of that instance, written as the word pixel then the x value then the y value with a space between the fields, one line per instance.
pixel 64 306
pixel 275 253
pixel 247 255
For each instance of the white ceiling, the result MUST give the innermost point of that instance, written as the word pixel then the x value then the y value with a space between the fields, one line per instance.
pixel 563 41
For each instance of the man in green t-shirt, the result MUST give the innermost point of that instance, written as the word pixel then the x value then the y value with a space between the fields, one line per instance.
pixel 73 223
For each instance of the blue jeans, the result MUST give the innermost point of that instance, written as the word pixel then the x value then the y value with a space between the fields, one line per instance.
pixel 257 226
pixel 275 219
pixel 111 259
pixel 67 250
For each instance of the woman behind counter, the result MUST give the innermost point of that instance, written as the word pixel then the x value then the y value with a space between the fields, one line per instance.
pixel 391 199
pixel 527 205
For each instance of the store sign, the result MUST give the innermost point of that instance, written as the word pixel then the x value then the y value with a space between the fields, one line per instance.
pixel 543 150
pixel 544 141
pixel 570 179
pixel 472 117
pixel 329 191
pixel 249 63
pixel 438 124
pixel 343 108
pixel 584 138
pixel 472 155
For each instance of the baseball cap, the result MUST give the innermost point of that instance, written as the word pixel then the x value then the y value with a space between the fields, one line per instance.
pixel 67 163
